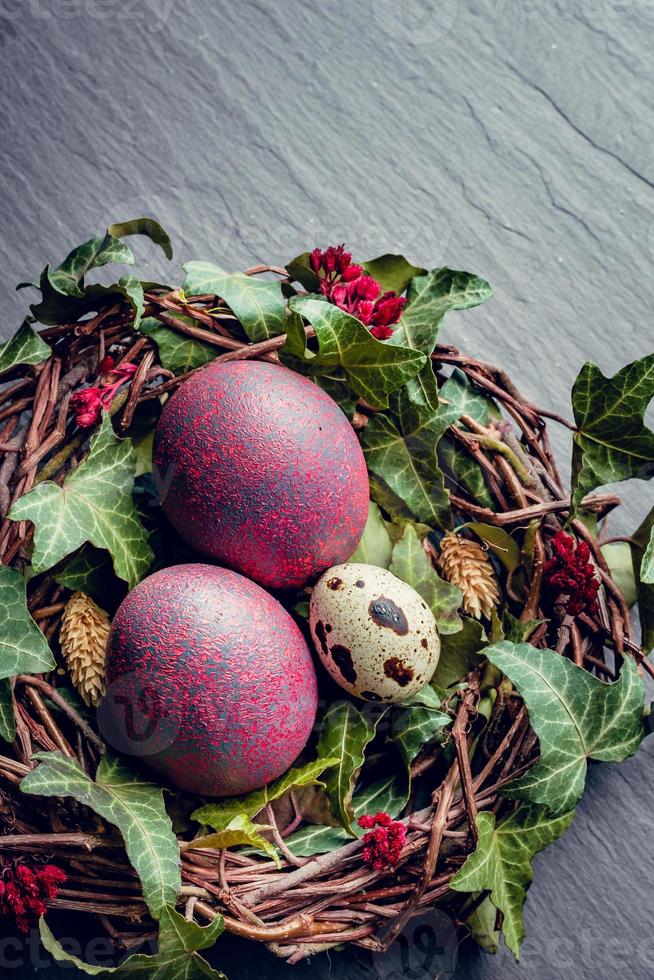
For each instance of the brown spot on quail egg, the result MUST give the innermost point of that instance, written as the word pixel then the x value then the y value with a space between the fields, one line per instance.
pixel 383 644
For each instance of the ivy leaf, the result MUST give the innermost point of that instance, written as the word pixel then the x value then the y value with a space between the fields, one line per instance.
pixel 575 716
pixel 177 352
pixel 176 958
pixel 460 653
pixel 23 647
pixel 88 571
pixel 299 269
pixel 612 442
pixel 56 307
pixel 502 862
pixel 373 369
pixel 258 303
pixel 25 347
pixel 416 722
pixel 144 226
pixel 430 297
pixel 647 564
pixel 618 556
pixel 134 806
pixel 375 546
pixel 411 564
pixel 392 272
pixel 132 290
pixel 239 830
pixel 641 557
pixel 7 717
pixel 503 546
pixel 220 815
pixel 405 458
pixel 482 926
pixel 95 504
pixel 344 734
pixel 517 632
pixel 388 795
pixel 68 278
pixel 464 472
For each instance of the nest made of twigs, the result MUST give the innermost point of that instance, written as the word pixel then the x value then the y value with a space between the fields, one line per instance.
pixel 310 903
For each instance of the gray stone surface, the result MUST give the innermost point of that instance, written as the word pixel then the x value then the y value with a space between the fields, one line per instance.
pixel 509 137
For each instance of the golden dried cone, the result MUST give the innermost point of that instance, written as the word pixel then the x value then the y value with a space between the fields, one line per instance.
pixel 465 564
pixel 83 638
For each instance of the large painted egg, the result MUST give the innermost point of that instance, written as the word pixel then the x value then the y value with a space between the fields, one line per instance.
pixel 374 634
pixel 260 470
pixel 209 681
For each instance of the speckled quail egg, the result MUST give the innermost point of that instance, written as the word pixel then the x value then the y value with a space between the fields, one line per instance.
pixel 374 634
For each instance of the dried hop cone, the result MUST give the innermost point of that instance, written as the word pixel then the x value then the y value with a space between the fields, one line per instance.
pixel 465 564
pixel 83 638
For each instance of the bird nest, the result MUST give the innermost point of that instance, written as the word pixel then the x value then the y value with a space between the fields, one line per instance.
pixel 505 493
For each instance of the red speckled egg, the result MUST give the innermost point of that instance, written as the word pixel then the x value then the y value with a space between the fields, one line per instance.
pixel 261 471
pixel 209 681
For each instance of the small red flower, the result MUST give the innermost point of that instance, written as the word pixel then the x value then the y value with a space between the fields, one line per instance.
pixel 106 365
pixel 87 406
pixel 382 845
pixel 25 892
pixel 351 289
pixel 89 403
pixel 332 266
pixel 570 575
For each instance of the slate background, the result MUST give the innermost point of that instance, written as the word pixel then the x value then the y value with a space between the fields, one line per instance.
pixel 508 137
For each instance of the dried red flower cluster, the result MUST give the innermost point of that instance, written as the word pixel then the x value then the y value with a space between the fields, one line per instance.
pixel 570 575
pixel 351 289
pixel 384 842
pixel 89 404
pixel 25 892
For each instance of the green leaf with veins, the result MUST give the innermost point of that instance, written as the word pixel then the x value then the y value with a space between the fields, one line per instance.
pixel 641 556
pixel 25 347
pixel 617 555
pixel 240 830
pixel 23 647
pixel 68 278
pixel 7 717
pixel 177 352
pixel 460 653
pixel 499 541
pixel 134 806
pixel 300 271
pixel 411 564
pixel 482 926
pixel 373 368
pixel 612 442
pixel 219 815
pixel 575 716
pixel 388 795
pixel 464 472
pixel 430 297
pixel 502 862
pixel 417 721
pixel 375 546
pixel 647 564
pixel 176 957
pixel 144 226
pixel 132 290
pixel 340 391
pixel 258 303
pixel 392 272
pixel 95 505
pixel 56 307
pixel 345 731
pixel 89 571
